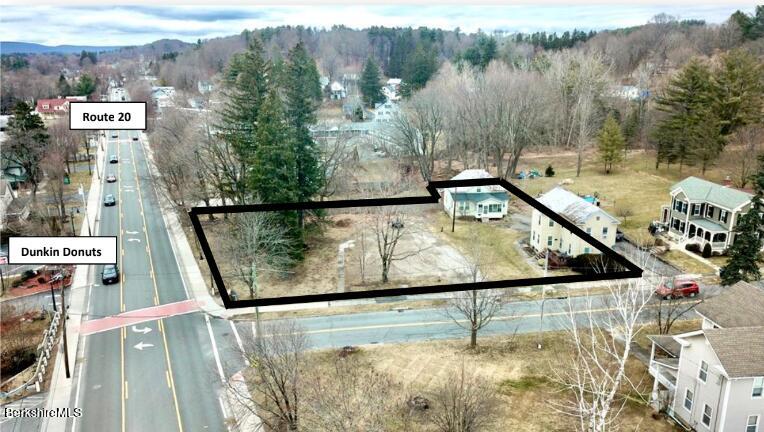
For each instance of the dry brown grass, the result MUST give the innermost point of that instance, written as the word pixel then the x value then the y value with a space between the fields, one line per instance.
pixel 681 326
pixel 518 371
pixel 687 263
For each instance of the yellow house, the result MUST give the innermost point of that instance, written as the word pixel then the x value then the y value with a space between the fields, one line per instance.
pixel 547 234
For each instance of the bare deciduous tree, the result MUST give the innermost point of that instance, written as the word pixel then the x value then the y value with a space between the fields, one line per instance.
pixel 473 310
pixel 257 245
pixel 748 138
pixel 389 225
pixel 350 396
pixel 463 403
pixel 277 358
pixel 594 374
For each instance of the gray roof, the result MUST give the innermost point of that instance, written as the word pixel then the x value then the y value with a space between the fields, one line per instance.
pixel 739 305
pixel 571 206
pixel 697 189
pixel 667 343
pixel 708 225
pixel 739 349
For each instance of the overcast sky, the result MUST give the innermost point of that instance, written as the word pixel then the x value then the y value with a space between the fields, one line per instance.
pixel 135 25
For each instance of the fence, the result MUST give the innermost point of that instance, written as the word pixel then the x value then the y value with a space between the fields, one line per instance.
pixel 43 358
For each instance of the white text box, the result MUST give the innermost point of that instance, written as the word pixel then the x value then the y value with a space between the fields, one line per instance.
pixel 107 115
pixel 62 250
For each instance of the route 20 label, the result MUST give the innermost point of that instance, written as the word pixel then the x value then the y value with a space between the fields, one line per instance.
pixel 107 115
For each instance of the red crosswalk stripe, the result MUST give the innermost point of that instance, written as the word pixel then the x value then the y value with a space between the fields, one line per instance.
pixel 138 316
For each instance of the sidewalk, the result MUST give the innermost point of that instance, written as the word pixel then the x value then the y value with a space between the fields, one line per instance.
pixel 60 391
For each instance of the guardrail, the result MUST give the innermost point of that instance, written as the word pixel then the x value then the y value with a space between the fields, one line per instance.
pixel 43 357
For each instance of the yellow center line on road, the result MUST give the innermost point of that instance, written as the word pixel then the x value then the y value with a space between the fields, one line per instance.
pixel 171 381
pixel 441 322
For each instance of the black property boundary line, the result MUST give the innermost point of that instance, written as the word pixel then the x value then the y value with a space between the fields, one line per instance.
pixel 633 271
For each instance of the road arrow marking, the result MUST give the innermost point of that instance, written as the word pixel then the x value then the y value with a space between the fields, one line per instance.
pixel 132 232
pixel 143 330
pixel 134 239
pixel 141 345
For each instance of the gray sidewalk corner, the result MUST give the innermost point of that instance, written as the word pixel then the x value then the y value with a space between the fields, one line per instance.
pixel 60 389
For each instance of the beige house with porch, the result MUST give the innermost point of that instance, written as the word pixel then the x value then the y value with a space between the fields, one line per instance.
pixel 547 234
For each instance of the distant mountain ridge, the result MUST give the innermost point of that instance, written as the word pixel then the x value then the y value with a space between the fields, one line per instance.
pixel 10 47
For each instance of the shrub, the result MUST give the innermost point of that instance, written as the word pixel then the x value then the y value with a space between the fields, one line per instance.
pixel 693 247
pixel 707 251
pixel 549 171
pixel 593 264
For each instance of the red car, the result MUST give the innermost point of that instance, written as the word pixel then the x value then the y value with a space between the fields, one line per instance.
pixel 677 289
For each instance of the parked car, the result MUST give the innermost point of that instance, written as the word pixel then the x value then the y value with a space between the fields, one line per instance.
pixel 113 159
pixel 114 135
pixel 109 200
pixel 110 274
pixel 677 288
pixel 619 235
pixel 135 138
pixel 111 178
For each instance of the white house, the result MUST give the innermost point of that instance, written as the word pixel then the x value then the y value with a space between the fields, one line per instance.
pixel 163 96
pixel 337 91
pixel 204 86
pixel 392 89
pixel 547 234
pixel 712 379
pixel 479 202
pixel 386 112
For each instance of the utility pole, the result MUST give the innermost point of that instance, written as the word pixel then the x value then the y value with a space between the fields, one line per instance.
pixel 81 191
pixel 71 220
pixel 453 215
pixel 64 318
pixel 543 299
pixel 253 274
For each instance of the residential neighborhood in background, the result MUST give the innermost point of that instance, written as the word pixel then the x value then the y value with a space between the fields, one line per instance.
pixel 639 125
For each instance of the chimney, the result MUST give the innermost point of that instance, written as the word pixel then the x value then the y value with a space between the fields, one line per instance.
pixel 727 181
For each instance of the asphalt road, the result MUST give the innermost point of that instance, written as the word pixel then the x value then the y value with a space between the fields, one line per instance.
pixel 160 375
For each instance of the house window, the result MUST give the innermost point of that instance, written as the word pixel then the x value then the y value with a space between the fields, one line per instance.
pixel 703 371
pixel 696 209
pixel 688 400
pixel 723 216
pixel 589 230
pixel 604 232
pixel 681 227
pixel 752 425
pixel 707 415
pixel 684 208
pixel 551 223
pixel 493 208
pixel 710 211
pixel 549 241
pixel 758 387
pixel 587 250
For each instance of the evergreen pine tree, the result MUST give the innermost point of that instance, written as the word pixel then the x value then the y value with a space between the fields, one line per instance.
pixel 420 67
pixel 744 253
pixel 611 143
pixel 686 101
pixel 64 89
pixel 739 90
pixel 273 169
pixel 247 84
pixel 371 85
pixel 303 93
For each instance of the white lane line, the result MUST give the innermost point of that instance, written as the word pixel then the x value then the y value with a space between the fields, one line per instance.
pixel 77 394
pixel 215 348
pixel 238 341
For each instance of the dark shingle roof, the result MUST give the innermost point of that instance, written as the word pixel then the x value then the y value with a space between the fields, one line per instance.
pixel 739 349
pixel 739 305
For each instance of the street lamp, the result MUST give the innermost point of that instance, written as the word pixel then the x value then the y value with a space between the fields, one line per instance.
pixel 71 218
pixel 81 191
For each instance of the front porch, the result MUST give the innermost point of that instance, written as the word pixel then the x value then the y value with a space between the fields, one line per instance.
pixel 703 231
